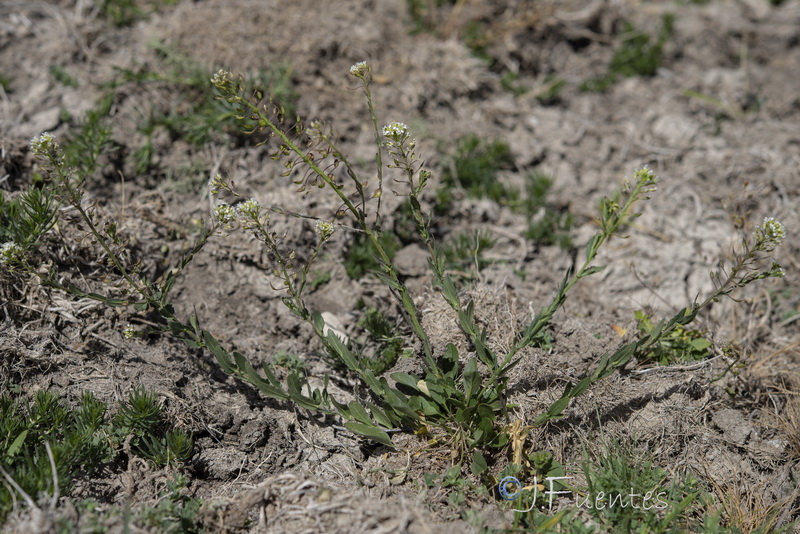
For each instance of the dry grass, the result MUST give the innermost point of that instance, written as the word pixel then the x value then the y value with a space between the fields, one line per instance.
pixel 788 422
pixel 785 418
pixel 753 507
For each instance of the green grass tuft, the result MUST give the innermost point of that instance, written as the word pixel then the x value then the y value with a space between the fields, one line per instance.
pixel 474 167
pixel 197 116
pixel 636 55
pixel 548 225
pixel 361 258
pixel 82 441
pixel 384 346
pixel 464 251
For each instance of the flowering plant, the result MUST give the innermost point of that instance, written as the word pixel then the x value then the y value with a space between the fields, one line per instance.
pixel 459 400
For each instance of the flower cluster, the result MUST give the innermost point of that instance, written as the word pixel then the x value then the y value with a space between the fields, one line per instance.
pixel 645 173
pixel 360 70
pixel 217 184
pixel 10 252
pixel 129 332
pixel 769 235
pixel 325 230
pixel 249 209
pixel 45 146
pixel 222 81
pixel 396 131
pixel 224 214
pixel 41 145
pixel 646 176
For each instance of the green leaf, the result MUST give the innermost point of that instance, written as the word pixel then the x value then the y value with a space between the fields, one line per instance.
pixel 176 328
pixel 429 408
pixel 592 245
pixel 677 510
pixel 450 293
pixel 341 350
pixel 343 410
pixel 398 402
pixel 590 271
pixel 16 444
pixel 467 318
pixel 430 479
pixel 451 357
pixel 406 379
pixel 558 406
pixel 319 322
pixel 452 476
pixel 464 415
pixel 555 409
pixel 487 415
pixel 370 431
pixel 295 393
pixel 335 344
pixel 435 390
pixel 656 334
pixel 472 379
pixel 380 416
pixel 278 394
pixel 221 354
pixel 478 465
pixel 270 375
pixel 243 366
pixel 359 413
pixel 581 387
pixel 170 282
pixel 250 375
pixel 377 387
pixel 387 280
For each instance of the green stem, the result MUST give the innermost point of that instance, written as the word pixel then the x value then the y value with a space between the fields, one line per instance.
pixel 379 147
pixel 74 198
pixel 611 220
pixel 265 121
pixel 610 362
pixel 404 297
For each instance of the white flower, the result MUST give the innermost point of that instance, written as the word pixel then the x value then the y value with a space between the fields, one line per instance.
pixel 769 235
pixel 41 145
pixel 129 332
pixel 396 131
pixel 221 79
pixel 249 209
pixel 325 229
pixel 360 69
pixel 646 172
pixel 646 177
pixel 224 214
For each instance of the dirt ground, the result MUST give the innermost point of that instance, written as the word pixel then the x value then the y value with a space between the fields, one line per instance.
pixel 734 151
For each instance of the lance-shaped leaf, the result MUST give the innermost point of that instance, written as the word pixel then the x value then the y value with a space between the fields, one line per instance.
pixel 370 431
